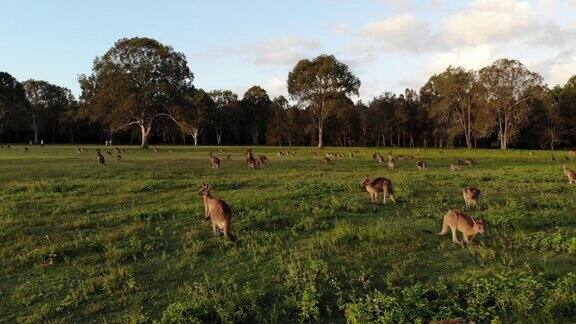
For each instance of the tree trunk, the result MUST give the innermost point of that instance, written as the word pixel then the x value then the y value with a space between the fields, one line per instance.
pixel 145 132
pixel 320 134
pixel 219 137
pixel 35 128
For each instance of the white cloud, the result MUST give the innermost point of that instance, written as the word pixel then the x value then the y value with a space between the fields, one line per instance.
pixel 487 21
pixel 278 51
pixel 559 69
pixel 474 57
pixel 403 32
pixel 276 86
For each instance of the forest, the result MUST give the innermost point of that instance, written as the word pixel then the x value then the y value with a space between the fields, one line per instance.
pixel 141 91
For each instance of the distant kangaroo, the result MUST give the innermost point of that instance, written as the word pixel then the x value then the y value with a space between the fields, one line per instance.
pixel 570 174
pixel 378 185
pixel 454 167
pixel 228 157
pixel 471 196
pixel 326 161
pixel 422 165
pixel 262 159
pixel 218 211
pixel 457 220
pixel 392 164
pixel 250 160
pixel 379 158
pixel 100 158
pixel 469 161
pixel 214 162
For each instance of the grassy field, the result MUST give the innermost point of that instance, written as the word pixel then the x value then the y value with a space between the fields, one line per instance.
pixel 128 242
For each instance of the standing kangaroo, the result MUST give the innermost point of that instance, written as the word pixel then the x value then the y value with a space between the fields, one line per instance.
pixel 214 162
pixel 392 164
pixel 457 220
pixel 471 196
pixel 377 157
pixel 570 174
pixel 100 158
pixel 218 211
pixel 422 165
pixel 250 161
pixel 378 185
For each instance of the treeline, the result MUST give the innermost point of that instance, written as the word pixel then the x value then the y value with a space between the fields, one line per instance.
pixel 141 91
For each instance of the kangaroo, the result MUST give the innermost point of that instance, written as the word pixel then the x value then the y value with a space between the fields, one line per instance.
pixel 214 162
pixel 392 164
pixel 379 158
pixel 326 161
pixel 378 185
pixel 471 196
pixel 469 161
pixel 100 158
pixel 457 220
pixel 218 211
pixel 250 160
pixel 228 157
pixel 118 157
pixel 262 159
pixel 454 167
pixel 422 165
pixel 553 158
pixel 280 154
pixel 390 156
pixel 570 174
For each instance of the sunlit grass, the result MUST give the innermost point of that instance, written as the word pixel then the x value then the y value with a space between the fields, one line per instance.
pixel 128 242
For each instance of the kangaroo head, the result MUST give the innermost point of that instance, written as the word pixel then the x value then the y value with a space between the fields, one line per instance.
pixel 205 190
pixel 478 226
pixel 366 181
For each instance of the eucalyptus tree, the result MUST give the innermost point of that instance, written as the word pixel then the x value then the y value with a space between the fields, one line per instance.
pixel 12 99
pixel 318 82
pixel 509 85
pixel 226 105
pixel 46 104
pixel 255 107
pixel 135 82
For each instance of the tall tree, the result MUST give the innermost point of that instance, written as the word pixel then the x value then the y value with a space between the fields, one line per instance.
pixel 135 82
pixel 276 130
pixel 194 113
pixel 255 109
pixel 46 103
pixel 226 105
pixel 509 85
pixel 457 97
pixel 12 99
pixel 315 83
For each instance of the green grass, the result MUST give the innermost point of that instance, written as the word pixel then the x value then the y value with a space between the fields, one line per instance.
pixel 128 242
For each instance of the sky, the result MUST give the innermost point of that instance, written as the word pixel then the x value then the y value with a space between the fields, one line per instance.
pixel 389 44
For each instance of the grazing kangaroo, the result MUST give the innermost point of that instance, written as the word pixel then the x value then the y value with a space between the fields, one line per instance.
pixel 378 185
pixel 457 220
pixel 570 174
pixel 469 161
pixel 100 158
pixel 326 161
pixel 392 164
pixel 118 157
pixel 454 167
pixel 228 157
pixel 250 160
pixel 390 156
pixel 214 162
pixel 218 211
pixel 422 165
pixel 471 196
pixel 262 159
pixel 379 158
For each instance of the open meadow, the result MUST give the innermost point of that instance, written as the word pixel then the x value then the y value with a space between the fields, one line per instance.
pixel 129 243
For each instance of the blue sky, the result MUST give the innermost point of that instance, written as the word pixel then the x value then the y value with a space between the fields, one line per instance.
pixel 389 44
